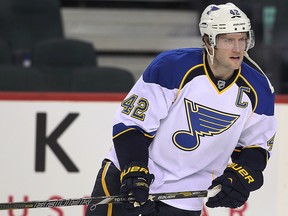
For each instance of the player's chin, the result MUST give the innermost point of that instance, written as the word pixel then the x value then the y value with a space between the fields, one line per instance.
pixel 236 67
pixel 236 64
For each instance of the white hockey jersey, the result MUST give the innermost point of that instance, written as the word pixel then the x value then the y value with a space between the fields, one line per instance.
pixel 195 120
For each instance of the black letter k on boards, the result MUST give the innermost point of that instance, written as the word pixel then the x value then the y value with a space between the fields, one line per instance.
pixel 42 140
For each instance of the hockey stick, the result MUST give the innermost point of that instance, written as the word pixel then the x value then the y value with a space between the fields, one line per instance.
pixel 106 199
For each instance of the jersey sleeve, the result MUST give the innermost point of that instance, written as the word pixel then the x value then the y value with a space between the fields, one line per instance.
pixel 260 128
pixel 138 117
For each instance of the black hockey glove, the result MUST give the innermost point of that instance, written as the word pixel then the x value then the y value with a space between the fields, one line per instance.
pixel 237 183
pixel 135 180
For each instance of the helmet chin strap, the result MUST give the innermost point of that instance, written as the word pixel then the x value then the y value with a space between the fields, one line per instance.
pixel 211 56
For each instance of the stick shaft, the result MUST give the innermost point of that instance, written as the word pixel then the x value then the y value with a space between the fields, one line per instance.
pixel 104 200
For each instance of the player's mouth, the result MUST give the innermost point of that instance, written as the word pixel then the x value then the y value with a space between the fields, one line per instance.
pixel 235 58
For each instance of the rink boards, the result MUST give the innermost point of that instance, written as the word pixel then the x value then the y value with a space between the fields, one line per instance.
pixel 52 146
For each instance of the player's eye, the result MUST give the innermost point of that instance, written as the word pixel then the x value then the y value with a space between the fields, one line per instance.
pixel 228 40
pixel 244 39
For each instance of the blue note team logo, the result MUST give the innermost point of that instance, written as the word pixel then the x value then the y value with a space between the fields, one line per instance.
pixel 202 121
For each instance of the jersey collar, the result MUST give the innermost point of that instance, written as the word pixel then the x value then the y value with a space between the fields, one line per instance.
pixel 219 84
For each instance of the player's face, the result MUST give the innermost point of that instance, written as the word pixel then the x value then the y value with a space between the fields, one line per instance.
pixel 230 49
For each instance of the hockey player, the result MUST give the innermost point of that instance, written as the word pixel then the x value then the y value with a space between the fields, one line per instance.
pixel 192 112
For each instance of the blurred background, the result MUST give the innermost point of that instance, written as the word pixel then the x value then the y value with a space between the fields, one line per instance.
pixel 69 45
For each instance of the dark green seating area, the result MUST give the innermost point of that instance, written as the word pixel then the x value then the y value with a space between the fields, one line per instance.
pixel 15 78
pixel 109 79
pixel 35 55
pixel 32 36
pixel 23 23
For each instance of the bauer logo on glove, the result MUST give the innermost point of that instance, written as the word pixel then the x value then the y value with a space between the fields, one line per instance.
pixel 242 171
pixel 133 171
